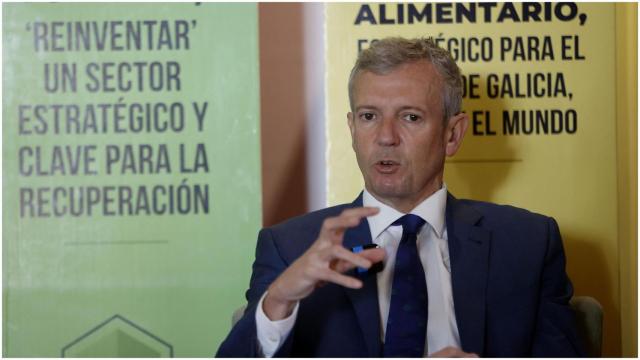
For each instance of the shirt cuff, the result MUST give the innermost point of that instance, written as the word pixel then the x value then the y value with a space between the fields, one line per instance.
pixel 272 334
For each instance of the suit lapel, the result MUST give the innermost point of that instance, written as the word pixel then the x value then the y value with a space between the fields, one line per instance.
pixel 365 300
pixel 469 246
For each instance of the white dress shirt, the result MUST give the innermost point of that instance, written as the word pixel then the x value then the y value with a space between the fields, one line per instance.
pixel 442 330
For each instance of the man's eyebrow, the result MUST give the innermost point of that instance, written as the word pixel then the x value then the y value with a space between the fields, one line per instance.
pixel 368 107
pixel 411 107
pixel 402 108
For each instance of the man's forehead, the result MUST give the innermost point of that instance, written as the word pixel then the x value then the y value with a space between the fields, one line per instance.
pixel 421 78
pixel 416 86
pixel 416 66
pixel 420 74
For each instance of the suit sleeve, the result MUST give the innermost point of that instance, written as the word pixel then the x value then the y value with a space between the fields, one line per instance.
pixel 555 333
pixel 242 341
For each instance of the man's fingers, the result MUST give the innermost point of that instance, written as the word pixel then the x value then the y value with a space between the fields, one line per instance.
pixel 373 255
pixel 361 211
pixel 343 266
pixel 338 252
pixel 340 279
pixel 319 263
pixel 338 225
pixel 349 218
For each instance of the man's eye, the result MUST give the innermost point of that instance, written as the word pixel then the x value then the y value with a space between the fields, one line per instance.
pixel 367 116
pixel 411 117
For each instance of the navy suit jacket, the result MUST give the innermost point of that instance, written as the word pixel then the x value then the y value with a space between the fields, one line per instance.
pixel 510 289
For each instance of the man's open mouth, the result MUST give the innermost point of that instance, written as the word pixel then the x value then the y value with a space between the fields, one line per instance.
pixel 387 166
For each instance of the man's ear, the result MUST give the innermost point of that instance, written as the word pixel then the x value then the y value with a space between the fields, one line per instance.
pixel 352 128
pixel 456 128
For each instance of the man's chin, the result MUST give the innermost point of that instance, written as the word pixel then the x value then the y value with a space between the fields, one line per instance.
pixel 387 191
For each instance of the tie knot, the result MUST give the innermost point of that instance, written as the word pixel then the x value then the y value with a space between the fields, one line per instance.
pixel 411 224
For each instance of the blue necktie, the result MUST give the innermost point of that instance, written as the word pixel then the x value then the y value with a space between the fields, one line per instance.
pixel 408 311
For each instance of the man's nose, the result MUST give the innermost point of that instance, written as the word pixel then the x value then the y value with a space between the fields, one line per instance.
pixel 387 134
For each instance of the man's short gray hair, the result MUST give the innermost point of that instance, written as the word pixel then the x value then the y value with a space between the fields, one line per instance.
pixel 387 54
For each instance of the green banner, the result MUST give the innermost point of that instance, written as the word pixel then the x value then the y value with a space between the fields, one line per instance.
pixel 131 176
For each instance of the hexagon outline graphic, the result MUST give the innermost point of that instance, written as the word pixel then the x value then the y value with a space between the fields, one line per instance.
pixel 126 321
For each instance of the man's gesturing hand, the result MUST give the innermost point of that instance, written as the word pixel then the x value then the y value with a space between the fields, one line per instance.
pixel 325 261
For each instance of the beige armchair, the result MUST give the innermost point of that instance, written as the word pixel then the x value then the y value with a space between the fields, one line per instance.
pixel 589 322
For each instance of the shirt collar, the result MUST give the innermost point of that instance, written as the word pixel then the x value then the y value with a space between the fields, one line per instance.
pixel 431 209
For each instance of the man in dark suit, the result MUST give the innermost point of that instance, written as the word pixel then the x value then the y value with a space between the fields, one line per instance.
pixel 460 278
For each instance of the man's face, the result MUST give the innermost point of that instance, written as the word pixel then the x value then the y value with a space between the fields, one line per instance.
pixel 399 135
